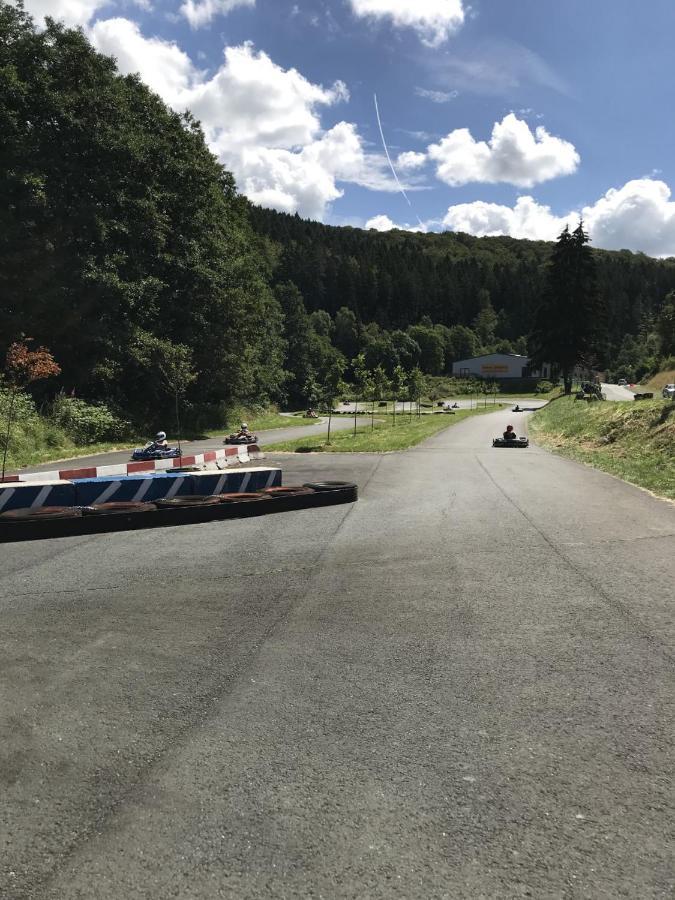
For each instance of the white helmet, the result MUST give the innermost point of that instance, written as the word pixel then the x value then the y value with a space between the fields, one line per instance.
pixel 244 426
pixel 160 436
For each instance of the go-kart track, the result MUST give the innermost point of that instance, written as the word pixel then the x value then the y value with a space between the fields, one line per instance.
pixel 459 687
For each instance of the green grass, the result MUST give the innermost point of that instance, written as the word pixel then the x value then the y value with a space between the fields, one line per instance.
pixel 634 440
pixel 383 438
pixel 38 441
pixel 260 421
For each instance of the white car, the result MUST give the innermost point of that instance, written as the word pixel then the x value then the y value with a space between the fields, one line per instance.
pixel 668 393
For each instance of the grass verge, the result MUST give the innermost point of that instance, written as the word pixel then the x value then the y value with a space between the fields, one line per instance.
pixel 634 441
pixel 260 421
pixel 39 441
pixel 384 437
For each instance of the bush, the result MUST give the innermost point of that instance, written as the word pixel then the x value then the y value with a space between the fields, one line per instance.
pixel 87 423
pixel 544 387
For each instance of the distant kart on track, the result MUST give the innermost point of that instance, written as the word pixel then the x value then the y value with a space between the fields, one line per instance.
pixel 519 442
pixel 241 439
pixel 152 451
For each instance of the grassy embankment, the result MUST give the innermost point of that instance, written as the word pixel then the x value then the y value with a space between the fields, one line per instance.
pixel 383 437
pixel 633 440
pixel 657 382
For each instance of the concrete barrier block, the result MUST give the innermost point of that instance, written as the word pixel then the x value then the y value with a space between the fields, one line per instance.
pixel 36 494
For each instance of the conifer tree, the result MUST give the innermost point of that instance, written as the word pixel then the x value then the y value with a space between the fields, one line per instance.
pixel 570 324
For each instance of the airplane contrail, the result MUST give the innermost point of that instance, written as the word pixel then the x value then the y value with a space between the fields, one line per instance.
pixel 391 165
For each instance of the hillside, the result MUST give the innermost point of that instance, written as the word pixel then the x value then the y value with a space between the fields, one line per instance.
pixel 394 278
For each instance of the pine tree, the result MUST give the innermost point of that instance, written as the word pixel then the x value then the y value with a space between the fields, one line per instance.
pixel 570 324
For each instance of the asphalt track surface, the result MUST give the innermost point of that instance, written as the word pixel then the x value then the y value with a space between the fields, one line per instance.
pixel 617 392
pixel 459 687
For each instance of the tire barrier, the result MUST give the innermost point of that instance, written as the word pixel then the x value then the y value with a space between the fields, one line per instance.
pixel 119 509
pixel 188 501
pixel 44 524
pixel 285 491
pixel 44 513
pixel 242 498
pixel 329 485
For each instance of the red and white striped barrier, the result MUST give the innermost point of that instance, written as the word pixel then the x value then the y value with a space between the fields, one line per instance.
pixel 229 456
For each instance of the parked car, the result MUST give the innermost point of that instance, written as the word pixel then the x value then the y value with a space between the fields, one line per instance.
pixel 668 393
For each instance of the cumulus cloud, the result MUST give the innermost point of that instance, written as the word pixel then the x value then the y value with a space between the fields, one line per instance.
pixel 384 223
pixel 433 20
pixel 71 12
pixel 527 219
pixel 513 154
pixel 410 160
pixel 262 121
pixel 638 216
pixel 200 12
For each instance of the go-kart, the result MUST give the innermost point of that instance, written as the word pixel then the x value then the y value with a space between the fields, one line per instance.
pixel 310 414
pixel 241 439
pixel 517 442
pixel 154 451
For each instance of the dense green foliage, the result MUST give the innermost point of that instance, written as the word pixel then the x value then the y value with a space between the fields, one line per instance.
pixel 120 234
pixel 483 294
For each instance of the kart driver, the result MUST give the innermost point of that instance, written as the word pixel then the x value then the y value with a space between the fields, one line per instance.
pixel 509 434
pixel 244 431
pixel 160 440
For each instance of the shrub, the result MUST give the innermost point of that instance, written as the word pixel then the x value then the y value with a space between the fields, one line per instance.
pixel 87 423
pixel 543 387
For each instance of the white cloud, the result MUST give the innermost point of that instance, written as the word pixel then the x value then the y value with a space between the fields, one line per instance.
pixel 410 160
pixel 263 122
pixel 384 223
pixel 638 216
pixel 527 219
pixel 513 154
pixel 71 12
pixel 200 12
pixel 433 20
pixel 436 96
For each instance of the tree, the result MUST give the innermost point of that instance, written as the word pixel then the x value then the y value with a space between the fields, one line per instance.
pixel 116 217
pixel 380 385
pixel 332 385
pixel 346 332
pixel 665 325
pixel 165 369
pixel 431 345
pixel 362 383
pixel 415 386
pixel 23 366
pixel 570 324
pixel 399 381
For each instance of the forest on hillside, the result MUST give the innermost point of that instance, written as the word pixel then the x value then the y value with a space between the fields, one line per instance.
pixel 126 250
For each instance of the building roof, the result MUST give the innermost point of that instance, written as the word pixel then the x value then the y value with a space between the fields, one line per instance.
pixel 486 355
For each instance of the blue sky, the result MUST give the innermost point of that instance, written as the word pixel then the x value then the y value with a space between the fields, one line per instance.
pixel 500 117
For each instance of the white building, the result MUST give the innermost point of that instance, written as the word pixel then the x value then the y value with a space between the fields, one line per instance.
pixel 498 366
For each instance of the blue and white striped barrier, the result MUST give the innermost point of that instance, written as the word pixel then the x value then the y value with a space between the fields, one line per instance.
pixel 231 482
pixel 89 491
pixel 36 494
